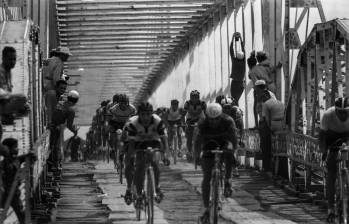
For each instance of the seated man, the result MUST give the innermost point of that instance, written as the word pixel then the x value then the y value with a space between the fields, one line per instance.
pixel 144 130
pixel 220 128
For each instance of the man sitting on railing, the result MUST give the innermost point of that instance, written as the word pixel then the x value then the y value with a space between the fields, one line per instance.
pixel 334 125
pixel 12 164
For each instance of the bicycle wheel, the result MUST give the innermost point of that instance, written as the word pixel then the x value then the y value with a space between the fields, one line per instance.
pixel 175 147
pixel 214 195
pixel 121 161
pixel 344 196
pixel 150 196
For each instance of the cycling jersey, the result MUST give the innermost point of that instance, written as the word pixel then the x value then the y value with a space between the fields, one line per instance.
pixel 121 116
pixel 335 128
pixel 139 133
pixel 222 132
pixel 174 115
pixel 195 111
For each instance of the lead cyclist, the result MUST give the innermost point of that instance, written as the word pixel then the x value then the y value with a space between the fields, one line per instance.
pixel 334 126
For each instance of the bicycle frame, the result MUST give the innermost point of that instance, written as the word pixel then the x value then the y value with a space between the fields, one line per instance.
pixel 149 188
pixel 216 186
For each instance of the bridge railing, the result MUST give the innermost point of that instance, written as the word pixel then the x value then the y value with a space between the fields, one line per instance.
pixel 29 174
pixel 301 151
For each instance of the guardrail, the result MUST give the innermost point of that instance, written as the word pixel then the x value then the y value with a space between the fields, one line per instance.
pixel 30 174
pixel 302 152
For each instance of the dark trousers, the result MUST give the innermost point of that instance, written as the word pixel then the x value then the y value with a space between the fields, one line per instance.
pixel 55 156
pixel 236 89
pixel 332 168
pixel 207 164
pixel 265 145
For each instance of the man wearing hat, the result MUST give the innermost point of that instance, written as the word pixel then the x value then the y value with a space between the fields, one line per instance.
pixel 260 87
pixel 53 67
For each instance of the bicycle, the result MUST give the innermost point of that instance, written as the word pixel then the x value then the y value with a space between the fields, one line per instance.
pixel 149 188
pixel 176 151
pixel 342 182
pixel 217 186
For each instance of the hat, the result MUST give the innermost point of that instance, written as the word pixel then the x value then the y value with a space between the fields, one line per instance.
pixel 64 50
pixel 260 82
pixel 261 54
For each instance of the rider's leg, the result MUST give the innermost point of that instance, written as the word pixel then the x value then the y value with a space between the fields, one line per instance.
pixel 129 170
pixel 170 135
pixel 139 173
pixel 179 137
pixel 189 136
pixel 331 179
pixel 206 165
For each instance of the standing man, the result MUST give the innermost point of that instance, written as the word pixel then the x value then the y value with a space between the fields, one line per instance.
pixel 53 68
pixel 53 96
pixel 63 114
pixel 9 58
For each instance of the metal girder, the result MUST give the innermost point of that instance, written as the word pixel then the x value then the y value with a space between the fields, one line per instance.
pixel 123 14
pixel 122 58
pixel 121 29
pixel 114 51
pixel 135 42
pixel 116 62
pixel 79 19
pixel 128 2
pixel 116 54
pixel 130 8
pixel 122 39
pixel 99 34
pixel 123 46
pixel 121 25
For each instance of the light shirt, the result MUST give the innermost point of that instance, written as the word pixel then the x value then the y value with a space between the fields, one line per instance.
pixel 52 71
pixel 331 122
pixel 273 112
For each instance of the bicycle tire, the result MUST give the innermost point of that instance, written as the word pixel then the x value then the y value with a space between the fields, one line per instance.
pixel 175 147
pixel 150 196
pixel 344 196
pixel 121 169
pixel 214 198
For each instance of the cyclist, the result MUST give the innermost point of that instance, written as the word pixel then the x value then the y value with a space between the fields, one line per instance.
pixel 175 116
pixel 220 128
pixel 102 133
pixel 144 130
pixel 334 125
pixel 194 109
pixel 230 108
pixel 120 113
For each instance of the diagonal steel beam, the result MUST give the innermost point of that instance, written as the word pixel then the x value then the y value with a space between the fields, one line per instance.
pixel 120 29
pixel 123 14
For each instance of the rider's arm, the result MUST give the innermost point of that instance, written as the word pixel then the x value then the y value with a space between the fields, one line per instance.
pixel 322 134
pixel 161 129
pixel 70 121
pixel 232 133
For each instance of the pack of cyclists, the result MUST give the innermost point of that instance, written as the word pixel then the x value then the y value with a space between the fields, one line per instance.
pixel 206 127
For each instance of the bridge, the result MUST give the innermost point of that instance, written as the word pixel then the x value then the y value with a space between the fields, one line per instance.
pixel 158 50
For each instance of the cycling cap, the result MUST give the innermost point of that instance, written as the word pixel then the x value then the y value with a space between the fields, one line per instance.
pixel 123 98
pixel 260 82
pixel 116 98
pixel 213 110
pixel 174 102
pixel 194 93
pixel 73 94
pixel 342 103
pixel 227 100
pixel 145 107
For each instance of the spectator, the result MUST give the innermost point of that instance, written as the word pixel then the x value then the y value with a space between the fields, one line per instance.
pixel 271 122
pixel 259 88
pixel 8 63
pixel 62 114
pixel 53 67
pixel 12 164
pixel 53 96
